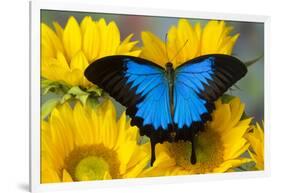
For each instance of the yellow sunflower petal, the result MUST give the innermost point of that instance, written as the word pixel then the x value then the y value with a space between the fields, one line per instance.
pixel 153 48
pixel 221 117
pixel 237 132
pixel 256 140
pixel 135 53
pixel 213 38
pixel 237 109
pixel 49 176
pixel 66 52
pixel 198 31
pixel 72 77
pixel 138 158
pixel 64 146
pixel 122 124
pixel 114 39
pixel 110 37
pixel 185 42
pixel 126 45
pixel 79 61
pixel 50 42
pixel 72 39
pixel 186 35
pixel 51 67
pixel 91 40
pixel 62 62
pixel 125 152
pixel 82 125
pixel 85 23
pixel 70 151
pixel 59 29
pixel 66 176
pixel 224 167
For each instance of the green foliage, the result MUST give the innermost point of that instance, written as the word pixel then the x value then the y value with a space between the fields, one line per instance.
pixel 64 93
pixel 226 98
pixel 48 106
pixel 53 86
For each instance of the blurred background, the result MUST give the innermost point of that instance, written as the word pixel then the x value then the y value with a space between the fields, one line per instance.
pixel 249 46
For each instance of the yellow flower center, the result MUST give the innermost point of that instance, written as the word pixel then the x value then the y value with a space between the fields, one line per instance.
pixel 92 162
pixel 209 153
pixel 91 168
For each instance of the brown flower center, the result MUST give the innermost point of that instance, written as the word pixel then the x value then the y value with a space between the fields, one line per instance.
pixel 209 153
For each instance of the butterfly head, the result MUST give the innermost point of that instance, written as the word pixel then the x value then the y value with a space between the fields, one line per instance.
pixel 169 65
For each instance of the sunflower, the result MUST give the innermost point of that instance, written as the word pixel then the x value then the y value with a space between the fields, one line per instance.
pixel 218 148
pixel 67 52
pixel 185 42
pixel 256 139
pixel 82 143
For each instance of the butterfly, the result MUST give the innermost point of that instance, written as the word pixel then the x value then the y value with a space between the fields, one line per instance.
pixel 167 104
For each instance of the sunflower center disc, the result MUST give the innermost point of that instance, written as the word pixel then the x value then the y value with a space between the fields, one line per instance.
pixel 94 162
pixel 91 168
pixel 209 153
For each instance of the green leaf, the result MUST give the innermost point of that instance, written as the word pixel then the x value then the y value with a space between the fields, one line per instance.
pixel 48 85
pixel 144 139
pixel 250 166
pixel 244 116
pixel 93 101
pixel 65 98
pixel 83 98
pixel 250 62
pixel 53 86
pixel 79 94
pixel 96 90
pixel 45 83
pixel 48 106
pixel 226 98
pixel 67 93
pixel 76 90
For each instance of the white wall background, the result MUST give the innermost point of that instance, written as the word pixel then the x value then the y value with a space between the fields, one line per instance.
pixel 14 98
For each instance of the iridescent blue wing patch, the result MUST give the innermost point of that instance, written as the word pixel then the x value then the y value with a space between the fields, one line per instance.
pixel 150 83
pixel 198 83
pixel 138 84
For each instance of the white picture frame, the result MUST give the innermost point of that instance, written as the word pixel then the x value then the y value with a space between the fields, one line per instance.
pixel 87 6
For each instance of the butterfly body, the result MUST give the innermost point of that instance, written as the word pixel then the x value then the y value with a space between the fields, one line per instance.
pixel 167 104
pixel 170 74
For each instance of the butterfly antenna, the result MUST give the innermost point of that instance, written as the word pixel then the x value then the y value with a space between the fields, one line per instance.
pixel 166 47
pixel 179 50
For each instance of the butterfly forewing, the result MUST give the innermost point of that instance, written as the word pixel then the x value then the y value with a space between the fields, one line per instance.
pixel 138 84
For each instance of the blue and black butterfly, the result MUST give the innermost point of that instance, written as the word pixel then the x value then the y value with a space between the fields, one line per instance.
pixel 167 104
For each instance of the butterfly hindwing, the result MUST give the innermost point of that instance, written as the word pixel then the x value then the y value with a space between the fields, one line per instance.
pixel 198 83
pixel 141 86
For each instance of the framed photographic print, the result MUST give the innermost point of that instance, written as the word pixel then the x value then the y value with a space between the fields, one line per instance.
pixel 131 96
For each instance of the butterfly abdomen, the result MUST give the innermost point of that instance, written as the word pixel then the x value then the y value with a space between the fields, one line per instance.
pixel 170 74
